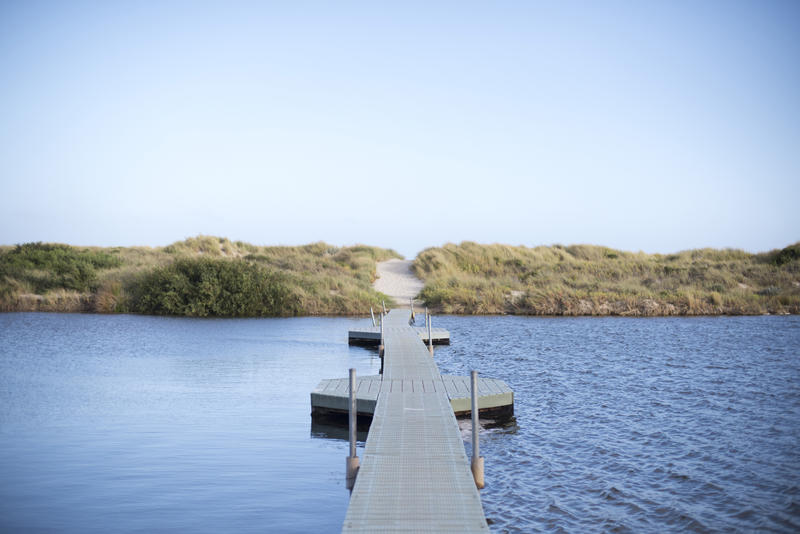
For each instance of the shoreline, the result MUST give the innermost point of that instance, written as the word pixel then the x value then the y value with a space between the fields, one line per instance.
pixel 87 310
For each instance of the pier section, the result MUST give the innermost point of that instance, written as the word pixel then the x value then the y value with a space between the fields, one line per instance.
pixel 371 335
pixel 495 398
pixel 414 475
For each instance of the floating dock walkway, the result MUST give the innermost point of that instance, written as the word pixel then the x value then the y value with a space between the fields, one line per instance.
pixel 414 475
pixel 331 396
pixel 371 335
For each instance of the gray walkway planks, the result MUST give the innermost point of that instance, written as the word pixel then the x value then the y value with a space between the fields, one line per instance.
pixel 333 395
pixel 414 475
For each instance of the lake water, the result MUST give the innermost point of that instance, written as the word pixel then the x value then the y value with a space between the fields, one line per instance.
pixel 142 424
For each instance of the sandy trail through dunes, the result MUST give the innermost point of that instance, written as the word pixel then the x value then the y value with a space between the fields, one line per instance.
pixel 396 280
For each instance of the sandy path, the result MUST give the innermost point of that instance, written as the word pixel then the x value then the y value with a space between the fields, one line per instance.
pixel 396 280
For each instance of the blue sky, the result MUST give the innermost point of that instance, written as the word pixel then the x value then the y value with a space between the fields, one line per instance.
pixel 655 126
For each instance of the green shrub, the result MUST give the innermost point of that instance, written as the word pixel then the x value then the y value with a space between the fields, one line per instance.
pixel 202 287
pixel 43 266
pixel 788 254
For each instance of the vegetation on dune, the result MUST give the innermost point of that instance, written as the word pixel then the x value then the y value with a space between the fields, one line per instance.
pixel 211 276
pixel 43 267
pixel 202 287
pixel 201 276
pixel 591 280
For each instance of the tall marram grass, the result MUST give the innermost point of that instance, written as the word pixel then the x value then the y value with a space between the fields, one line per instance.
pixel 201 276
pixel 592 280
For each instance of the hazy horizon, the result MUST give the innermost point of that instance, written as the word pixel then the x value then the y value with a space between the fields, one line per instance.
pixel 657 126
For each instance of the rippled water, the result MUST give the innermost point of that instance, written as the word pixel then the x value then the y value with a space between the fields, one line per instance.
pixel 145 424
pixel 643 425
pixel 142 424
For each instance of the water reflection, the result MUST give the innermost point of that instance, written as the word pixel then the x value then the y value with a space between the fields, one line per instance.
pixel 333 429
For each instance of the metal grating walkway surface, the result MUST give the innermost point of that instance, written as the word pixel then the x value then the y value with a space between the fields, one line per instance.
pixel 414 474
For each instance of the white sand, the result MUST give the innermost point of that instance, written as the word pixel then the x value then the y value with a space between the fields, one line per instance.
pixel 396 280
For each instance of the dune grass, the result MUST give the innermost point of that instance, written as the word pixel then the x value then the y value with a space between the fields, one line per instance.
pixel 212 276
pixel 201 276
pixel 471 278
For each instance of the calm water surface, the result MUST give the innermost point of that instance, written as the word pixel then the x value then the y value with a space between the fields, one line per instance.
pixel 145 424
pixel 142 424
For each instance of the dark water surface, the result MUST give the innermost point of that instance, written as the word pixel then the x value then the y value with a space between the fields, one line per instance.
pixel 143 424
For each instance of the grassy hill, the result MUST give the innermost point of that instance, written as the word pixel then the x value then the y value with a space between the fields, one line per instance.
pixel 591 280
pixel 199 277
pixel 211 276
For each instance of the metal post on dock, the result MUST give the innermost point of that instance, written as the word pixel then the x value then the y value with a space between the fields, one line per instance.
pixel 371 314
pixel 380 346
pixel 384 306
pixel 430 336
pixel 477 459
pixel 352 460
